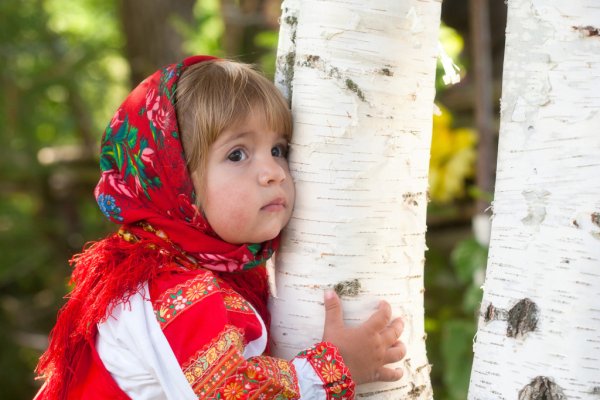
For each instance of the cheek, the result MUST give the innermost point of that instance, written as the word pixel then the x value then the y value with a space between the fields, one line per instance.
pixel 225 212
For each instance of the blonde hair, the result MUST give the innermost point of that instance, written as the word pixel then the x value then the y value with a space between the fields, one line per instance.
pixel 214 95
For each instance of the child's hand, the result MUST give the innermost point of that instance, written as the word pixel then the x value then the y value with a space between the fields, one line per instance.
pixel 369 346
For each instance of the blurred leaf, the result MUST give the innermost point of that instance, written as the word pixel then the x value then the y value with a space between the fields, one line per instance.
pixel 476 193
pixel 457 354
pixel 467 258
pixel 204 37
pixel 472 299
pixel 268 40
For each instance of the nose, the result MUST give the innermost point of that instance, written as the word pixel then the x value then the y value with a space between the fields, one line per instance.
pixel 271 172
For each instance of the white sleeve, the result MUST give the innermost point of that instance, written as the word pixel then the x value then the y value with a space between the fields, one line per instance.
pixel 311 386
pixel 135 351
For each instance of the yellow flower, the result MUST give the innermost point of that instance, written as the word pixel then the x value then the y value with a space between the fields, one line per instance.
pixel 331 373
pixel 452 162
pixel 197 371
pixel 251 373
pixel 233 391
pixel 164 312
pixel 211 355
pixel 234 302
pixel 196 291
pixel 336 389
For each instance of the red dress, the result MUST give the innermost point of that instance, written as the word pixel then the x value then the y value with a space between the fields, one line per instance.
pixel 208 327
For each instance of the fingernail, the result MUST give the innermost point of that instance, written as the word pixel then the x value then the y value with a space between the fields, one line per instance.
pixel 329 294
pixel 399 372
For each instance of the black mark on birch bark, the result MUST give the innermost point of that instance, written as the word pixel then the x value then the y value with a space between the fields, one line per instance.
pixel 596 218
pixel 349 288
pixel 350 84
pixel 494 314
pixel 292 21
pixel 587 30
pixel 410 198
pixel 596 221
pixel 288 73
pixel 542 388
pixel 386 72
pixel 522 318
pixel 310 61
pixel 416 391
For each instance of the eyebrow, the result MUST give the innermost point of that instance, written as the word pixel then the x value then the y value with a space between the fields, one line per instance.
pixel 231 138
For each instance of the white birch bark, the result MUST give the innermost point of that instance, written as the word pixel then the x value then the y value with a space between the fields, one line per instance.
pixel 545 243
pixel 362 99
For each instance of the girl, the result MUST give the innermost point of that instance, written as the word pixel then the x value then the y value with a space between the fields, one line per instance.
pixel 173 306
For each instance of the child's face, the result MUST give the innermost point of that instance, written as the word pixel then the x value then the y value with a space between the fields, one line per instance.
pixel 248 194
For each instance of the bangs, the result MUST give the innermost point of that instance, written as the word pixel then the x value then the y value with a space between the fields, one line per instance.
pixel 258 95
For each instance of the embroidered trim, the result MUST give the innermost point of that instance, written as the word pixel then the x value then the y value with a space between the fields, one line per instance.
pixel 235 302
pixel 176 300
pixel 280 377
pixel 329 366
pixel 219 371
pixel 214 363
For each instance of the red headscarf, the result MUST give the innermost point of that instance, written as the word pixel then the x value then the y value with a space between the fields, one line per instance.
pixel 145 187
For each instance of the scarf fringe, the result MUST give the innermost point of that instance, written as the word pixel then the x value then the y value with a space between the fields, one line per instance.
pixel 105 274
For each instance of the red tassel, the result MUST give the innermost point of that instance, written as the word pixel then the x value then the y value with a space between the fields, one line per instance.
pixel 105 273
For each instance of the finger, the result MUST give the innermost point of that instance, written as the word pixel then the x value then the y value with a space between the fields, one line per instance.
pixel 380 318
pixel 392 332
pixel 389 336
pixel 395 353
pixel 398 325
pixel 389 374
pixel 333 310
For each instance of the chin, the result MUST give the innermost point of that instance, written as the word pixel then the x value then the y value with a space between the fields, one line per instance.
pixel 266 237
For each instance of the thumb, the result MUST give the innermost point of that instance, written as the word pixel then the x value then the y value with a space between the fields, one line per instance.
pixel 333 310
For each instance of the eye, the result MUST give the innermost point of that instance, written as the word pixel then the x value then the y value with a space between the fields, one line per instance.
pixel 280 150
pixel 237 155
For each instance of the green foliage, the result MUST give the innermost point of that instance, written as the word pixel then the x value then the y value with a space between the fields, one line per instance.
pixel 204 36
pixel 454 275
pixel 269 41
pixel 458 357
pixel 58 82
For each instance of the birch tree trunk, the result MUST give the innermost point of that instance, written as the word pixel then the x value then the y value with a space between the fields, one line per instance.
pixel 361 80
pixel 539 332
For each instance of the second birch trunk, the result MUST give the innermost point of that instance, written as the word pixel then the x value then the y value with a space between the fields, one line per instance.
pixel 539 332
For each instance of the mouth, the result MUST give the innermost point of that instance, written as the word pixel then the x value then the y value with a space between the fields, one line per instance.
pixel 278 204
